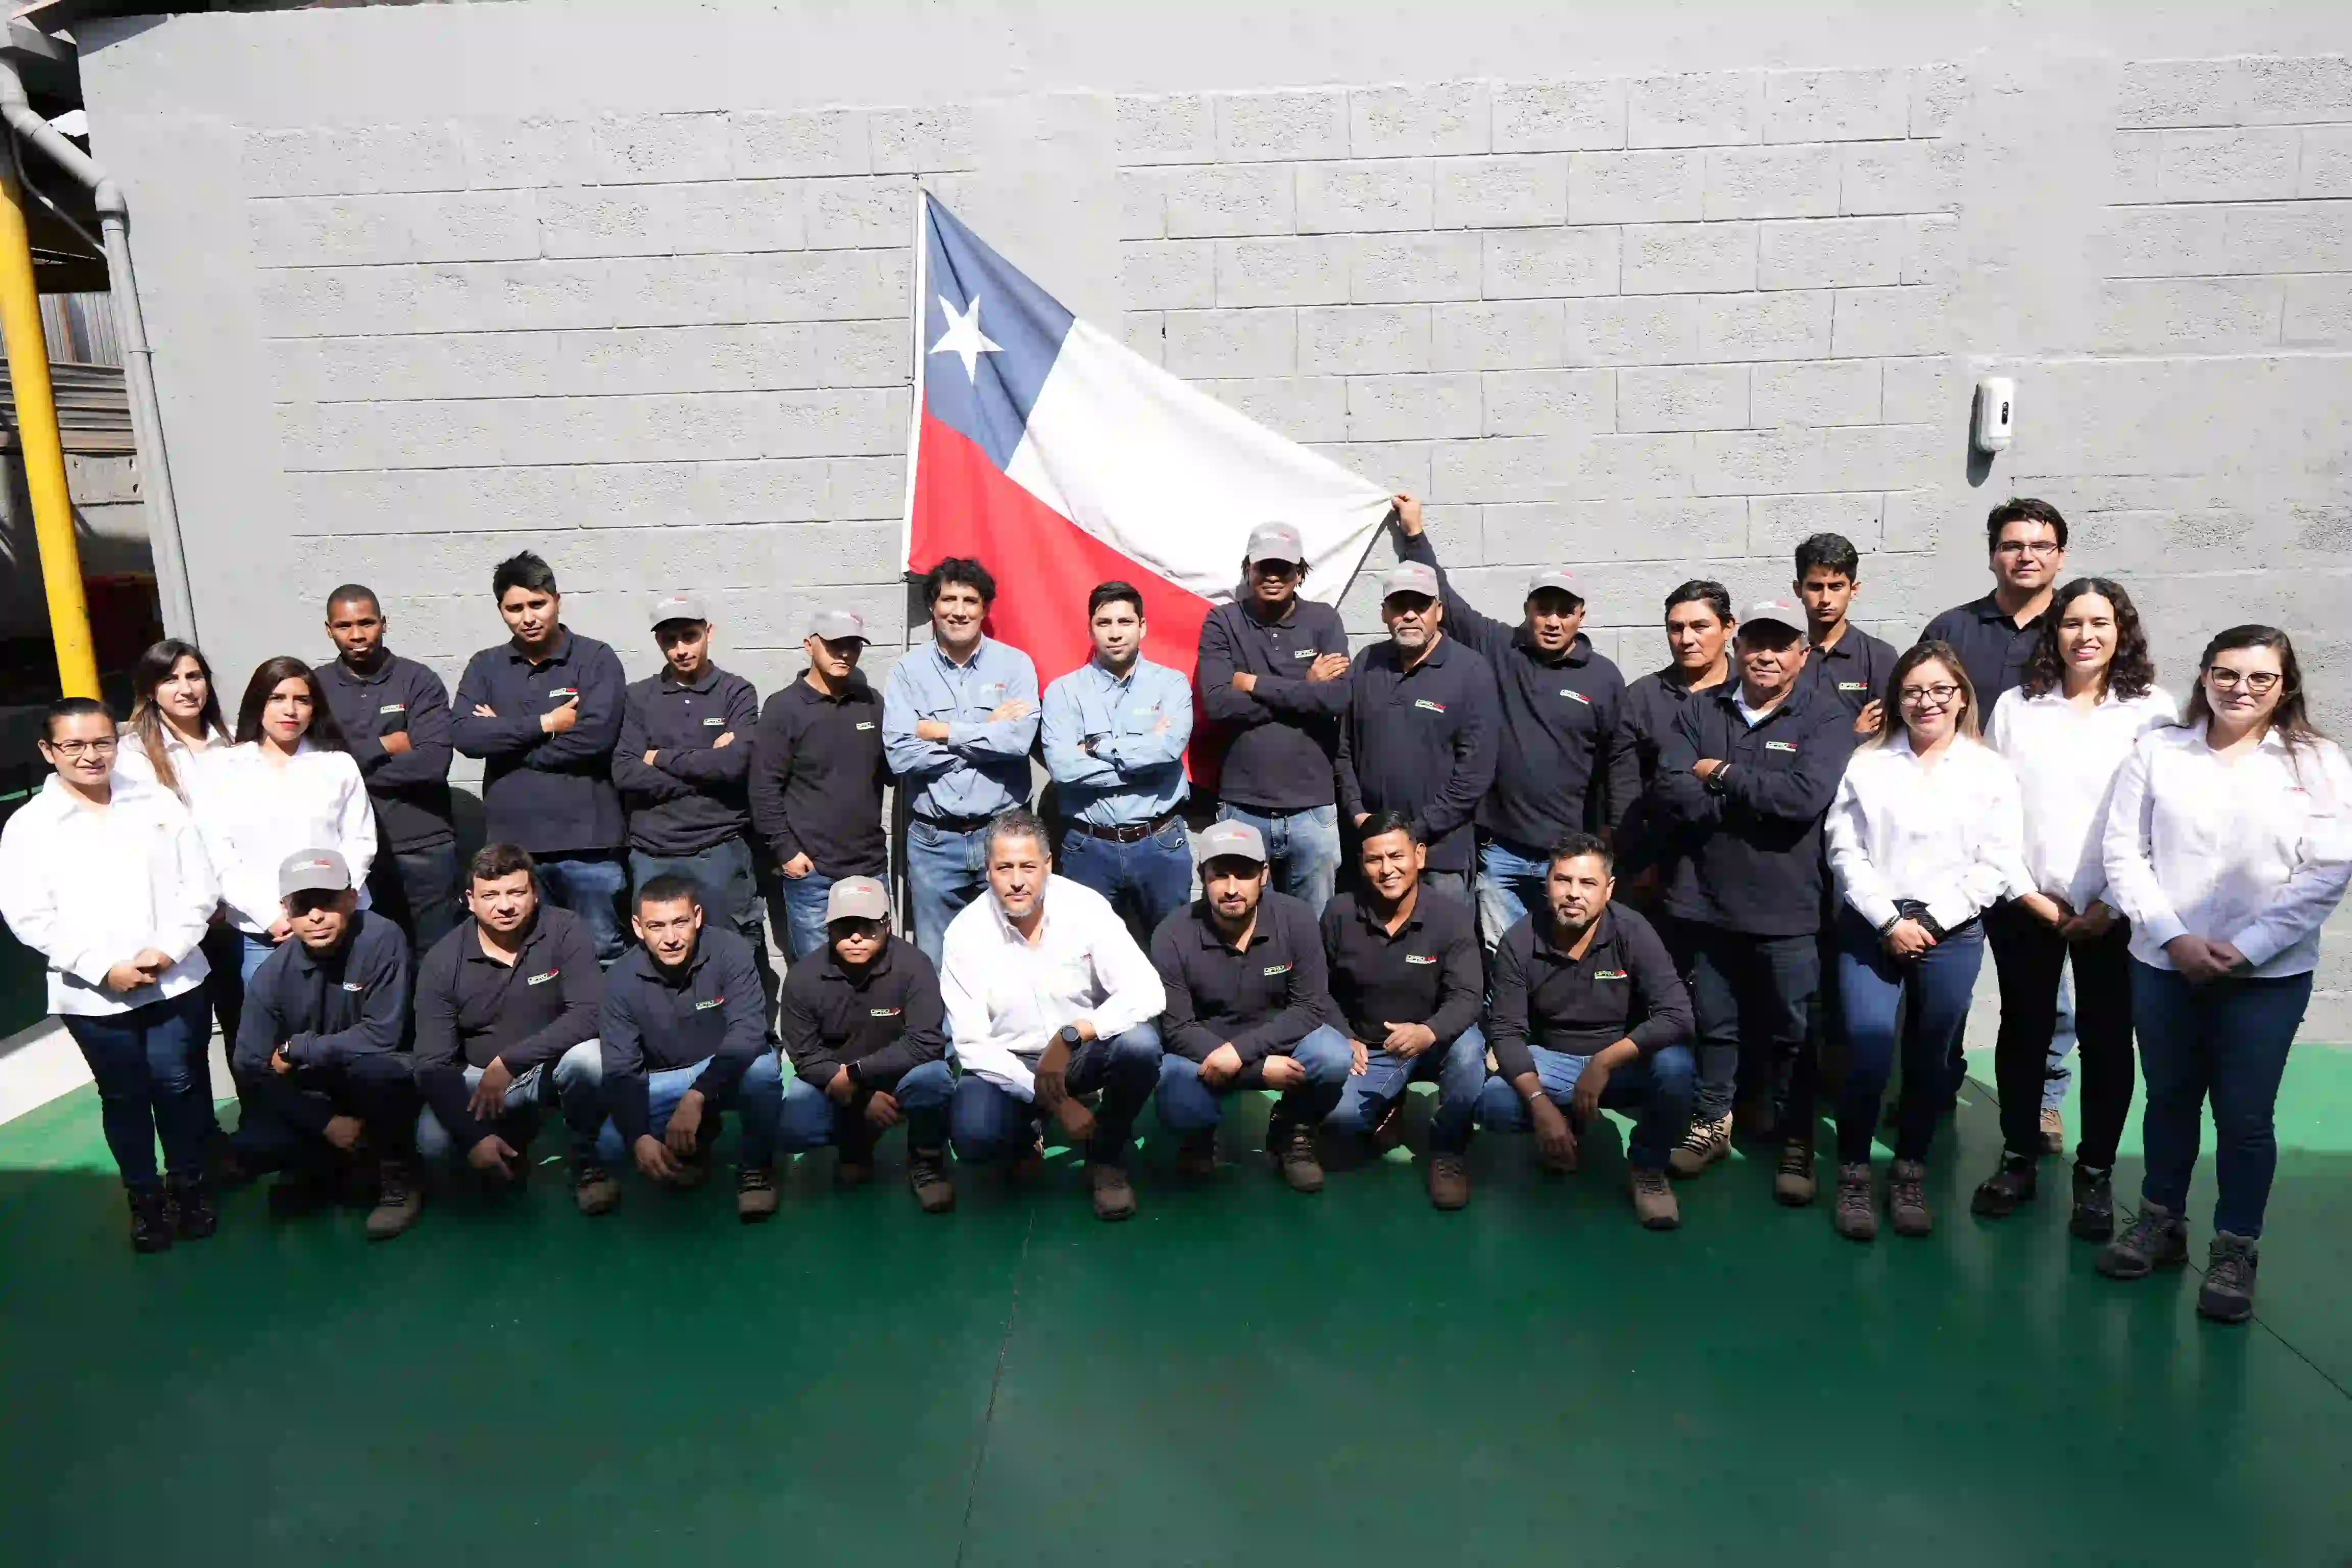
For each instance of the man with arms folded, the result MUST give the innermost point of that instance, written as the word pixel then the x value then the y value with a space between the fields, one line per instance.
pixel 1699 628
pixel 867 1032
pixel 1843 659
pixel 1247 1008
pixel 1407 980
pixel 817 777
pixel 1588 1013
pixel 1049 1000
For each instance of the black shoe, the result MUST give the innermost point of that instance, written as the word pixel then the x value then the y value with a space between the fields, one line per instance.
pixel 398 1199
pixel 927 1177
pixel 194 1217
pixel 755 1193
pixel 151 1221
pixel 2093 1218
pixel 2228 1293
pixel 2012 1184
pixel 304 1190
pixel 1291 1150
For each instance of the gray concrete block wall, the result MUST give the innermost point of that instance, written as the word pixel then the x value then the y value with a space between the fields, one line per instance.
pixel 1652 295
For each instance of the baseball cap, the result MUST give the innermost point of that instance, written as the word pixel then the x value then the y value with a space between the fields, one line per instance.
pixel 676 607
pixel 1779 610
pixel 1230 838
pixel 857 899
pixel 1553 577
pixel 1410 577
pixel 834 624
pixel 313 870
pixel 1276 542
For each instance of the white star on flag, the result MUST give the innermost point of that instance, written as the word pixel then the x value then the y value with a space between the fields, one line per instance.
pixel 964 339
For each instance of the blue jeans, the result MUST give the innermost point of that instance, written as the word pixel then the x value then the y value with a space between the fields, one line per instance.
pixel 989 1122
pixel 1752 995
pixel 730 896
pixel 252 952
pixel 148 1065
pixel 2056 1073
pixel 1655 1090
pixel 945 870
pixel 1872 991
pixel 530 1093
pixel 2225 1041
pixel 1146 881
pixel 416 889
pixel 799 912
pixel 1303 846
pixel 1187 1103
pixel 591 887
pixel 758 1097
pixel 1511 883
pixel 811 1120
pixel 1460 1069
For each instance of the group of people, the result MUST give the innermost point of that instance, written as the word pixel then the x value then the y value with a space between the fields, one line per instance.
pixel 1470 853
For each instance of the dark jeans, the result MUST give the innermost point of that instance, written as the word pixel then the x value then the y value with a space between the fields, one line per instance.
pixel 224 949
pixel 730 896
pixel 149 1064
pixel 2031 959
pixel 1146 881
pixel 1188 1104
pixel 416 889
pixel 810 1118
pixel 1656 1090
pixel 1752 995
pixel 989 1122
pixel 945 870
pixel 1303 847
pixel 1917 1008
pixel 285 1115
pixel 589 884
pixel 2225 1041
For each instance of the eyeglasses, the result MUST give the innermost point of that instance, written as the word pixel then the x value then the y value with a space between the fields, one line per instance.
pixel 1921 695
pixel 2262 682
pixel 79 748
pixel 2040 548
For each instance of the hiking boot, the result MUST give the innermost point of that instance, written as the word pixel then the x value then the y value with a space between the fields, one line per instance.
pixel 150 1220
pixel 1449 1181
pixel 755 1193
pixel 2093 1218
pixel 1389 1130
pixel 305 1190
pixel 2013 1183
pixel 1291 1149
pixel 2157 1239
pixel 1792 1180
pixel 694 1166
pixel 2228 1294
pixel 1853 1215
pixel 1114 1193
pixel 1654 1201
pixel 926 1175
pixel 397 1200
pixel 593 1190
pixel 2053 1131
pixel 1907 1198
pixel 1196 1157
pixel 1703 1146
pixel 194 1217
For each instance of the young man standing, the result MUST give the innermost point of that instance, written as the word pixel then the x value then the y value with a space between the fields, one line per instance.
pixel 1273 673
pixel 958 719
pixel 817 777
pixel 1699 628
pixel 395 713
pixel 543 711
pixel 1116 729
pixel 1843 661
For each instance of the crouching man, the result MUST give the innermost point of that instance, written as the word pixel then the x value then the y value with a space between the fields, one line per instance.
pixel 499 1000
pixel 1586 1012
pixel 867 1032
pixel 680 1041
pixel 320 1068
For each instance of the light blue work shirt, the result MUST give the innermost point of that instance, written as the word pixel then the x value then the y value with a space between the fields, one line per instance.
pixel 1140 725
pixel 982 768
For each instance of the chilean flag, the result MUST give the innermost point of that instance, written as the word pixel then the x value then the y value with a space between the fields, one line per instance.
pixel 1063 458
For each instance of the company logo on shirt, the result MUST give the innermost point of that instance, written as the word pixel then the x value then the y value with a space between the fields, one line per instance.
pixel 867 724
pixel 707 1006
pixel 394 708
pixel 1609 974
pixel 713 723
pixel 354 984
pixel 1426 702
pixel 1789 746
pixel 542 979
pixel 563 692
pixel 1274 968
pixel 1575 696
pixel 1421 958
pixel 882 1012
pixel 1302 653
pixel 1854 686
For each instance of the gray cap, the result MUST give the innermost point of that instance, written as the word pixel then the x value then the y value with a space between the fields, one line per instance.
pixel 1276 542
pixel 857 899
pixel 1779 610
pixel 834 624
pixel 312 871
pixel 676 607
pixel 1220 838
pixel 1555 578
pixel 1410 577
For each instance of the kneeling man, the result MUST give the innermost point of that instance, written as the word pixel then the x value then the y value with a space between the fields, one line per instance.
pixel 1247 1008
pixel 866 1033
pixel 1586 1012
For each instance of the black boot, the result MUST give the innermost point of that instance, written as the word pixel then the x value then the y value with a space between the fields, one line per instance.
pixel 2012 1184
pixel 193 1216
pixel 150 1220
pixel 2093 1218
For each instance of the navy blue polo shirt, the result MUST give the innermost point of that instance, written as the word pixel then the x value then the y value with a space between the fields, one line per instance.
pixel 879 1021
pixel 696 795
pixel 1993 648
pixel 411 791
pixel 323 1009
pixel 1277 739
pixel 709 1008
pixel 554 794
pixel 1624 987
pixel 1422 742
pixel 1853 671
pixel 1262 999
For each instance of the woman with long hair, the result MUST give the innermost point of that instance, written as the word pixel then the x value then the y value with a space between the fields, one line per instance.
pixel 2227 847
pixel 175 717
pixel 1924 837
pixel 2089 694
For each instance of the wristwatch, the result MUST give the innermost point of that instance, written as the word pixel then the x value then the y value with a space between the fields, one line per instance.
pixel 1069 1035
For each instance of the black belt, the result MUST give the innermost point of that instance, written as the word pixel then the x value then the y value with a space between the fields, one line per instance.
pixel 1129 834
pixel 955 824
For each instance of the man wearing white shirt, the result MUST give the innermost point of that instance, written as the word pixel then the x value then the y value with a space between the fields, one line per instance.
pixel 1048 999
pixel 106 877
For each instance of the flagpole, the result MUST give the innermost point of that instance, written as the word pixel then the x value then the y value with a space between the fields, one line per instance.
pixel 901 813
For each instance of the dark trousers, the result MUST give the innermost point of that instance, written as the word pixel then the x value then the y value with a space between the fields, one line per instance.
pixel 416 889
pixel 1146 881
pixel 1752 995
pixel 285 1115
pixel 224 949
pixel 150 1068
pixel 989 1124
pixel 2031 957
pixel 2225 1041
pixel 1916 1008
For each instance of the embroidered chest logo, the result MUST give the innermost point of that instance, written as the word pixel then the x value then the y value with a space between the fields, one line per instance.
pixel 1421 958
pixel 1788 746
pixel 1575 696
pixel 865 723
pixel 1426 702
pixel 354 984
pixel 1609 974
pixel 707 1006
pixel 560 691
pixel 713 723
pixel 1302 653
pixel 394 708
pixel 1274 968
pixel 1854 686
pixel 882 1012
pixel 542 979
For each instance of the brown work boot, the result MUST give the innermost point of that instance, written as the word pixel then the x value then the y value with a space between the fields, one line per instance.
pixel 1793 1183
pixel 1291 1150
pixel 1654 1201
pixel 1114 1193
pixel 397 1200
pixel 1907 1198
pixel 1852 1215
pixel 2053 1131
pixel 694 1166
pixel 755 1193
pixel 1449 1181
pixel 927 1177
pixel 594 1190
pixel 1196 1157
pixel 1703 1146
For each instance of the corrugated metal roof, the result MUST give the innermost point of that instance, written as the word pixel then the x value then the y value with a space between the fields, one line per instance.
pixel 93 409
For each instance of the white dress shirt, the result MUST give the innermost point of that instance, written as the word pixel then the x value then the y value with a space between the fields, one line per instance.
pixel 254 814
pixel 2255 852
pixel 1005 996
pixel 2065 759
pixel 88 888
pixel 1951 835
pixel 131 758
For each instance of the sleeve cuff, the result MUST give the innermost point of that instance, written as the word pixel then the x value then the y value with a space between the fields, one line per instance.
pixel 2261 942
pixel 1877 908
pixel 2162 928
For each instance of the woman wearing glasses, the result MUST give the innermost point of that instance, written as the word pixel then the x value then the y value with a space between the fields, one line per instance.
pixel 2089 693
pixel 2226 845
pixel 106 879
pixel 1924 837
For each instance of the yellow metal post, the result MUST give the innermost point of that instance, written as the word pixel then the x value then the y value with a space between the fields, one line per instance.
pixel 44 449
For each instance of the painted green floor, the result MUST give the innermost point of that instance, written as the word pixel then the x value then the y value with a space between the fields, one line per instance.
pixel 1237 1376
